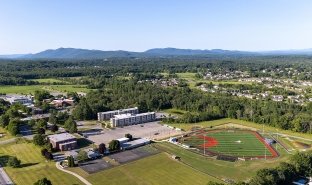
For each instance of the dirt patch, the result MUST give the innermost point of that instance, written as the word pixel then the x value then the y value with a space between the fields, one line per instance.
pixel 233 125
pixel 301 145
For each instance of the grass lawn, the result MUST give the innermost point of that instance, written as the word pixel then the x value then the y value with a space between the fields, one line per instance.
pixel 48 80
pixel 237 143
pixel 176 112
pixel 34 165
pixel 187 76
pixel 30 89
pixel 6 136
pixel 66 88
pixel 238 171
pixel 158 169
pixel 192 80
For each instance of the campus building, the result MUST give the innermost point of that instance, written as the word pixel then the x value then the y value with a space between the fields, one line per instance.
pixel 63 141
pixel 110 114
pixel 135 143
pixel 132 119
pixel 19 99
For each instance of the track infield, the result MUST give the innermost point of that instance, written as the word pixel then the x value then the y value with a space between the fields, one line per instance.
pixel 235 143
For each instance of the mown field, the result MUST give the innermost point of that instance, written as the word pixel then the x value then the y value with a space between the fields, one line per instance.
pixel 30 89
pixel 48 80
pixel 232 143
pixel 238 171
pixel 192 80
pixel 6 134
pixel 34 166
pixel 159 169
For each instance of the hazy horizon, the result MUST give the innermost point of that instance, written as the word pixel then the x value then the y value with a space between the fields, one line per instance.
pixel 35 26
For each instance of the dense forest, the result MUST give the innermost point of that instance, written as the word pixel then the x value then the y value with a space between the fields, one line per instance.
pixel 15 72
pixel 115 94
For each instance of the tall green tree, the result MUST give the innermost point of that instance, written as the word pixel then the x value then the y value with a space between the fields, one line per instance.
pixel 4 120
pixel 83 111
pixel 43 181
pixel 14 162
pixel 114 145
pixel 70 125
pixel 39 140
pixel 13 127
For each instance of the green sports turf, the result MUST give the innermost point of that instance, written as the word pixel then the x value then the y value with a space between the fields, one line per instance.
pixel 234 143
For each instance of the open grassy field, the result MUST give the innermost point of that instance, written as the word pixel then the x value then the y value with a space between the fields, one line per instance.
pixel 158 169
pixel 229 142
pixel 238 171
pixel 192 80
pixel 48 80
pixel 175 112
pixel 34 166
pixel 6 134
pixel 30 89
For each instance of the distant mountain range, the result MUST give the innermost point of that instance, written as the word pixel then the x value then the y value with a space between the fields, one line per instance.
pixel 73 53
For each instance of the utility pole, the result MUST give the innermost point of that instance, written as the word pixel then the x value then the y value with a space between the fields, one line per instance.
pixel 204 146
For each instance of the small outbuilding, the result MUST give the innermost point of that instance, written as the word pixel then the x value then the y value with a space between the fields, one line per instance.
pixel 123 140
pixel 135 143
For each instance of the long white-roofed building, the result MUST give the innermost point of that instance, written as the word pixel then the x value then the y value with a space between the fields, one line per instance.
pixel 110 114
pixel 132 119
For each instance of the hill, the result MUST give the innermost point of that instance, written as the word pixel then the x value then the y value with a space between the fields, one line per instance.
pixel 72 53
pixel 190 52
pixel 79 53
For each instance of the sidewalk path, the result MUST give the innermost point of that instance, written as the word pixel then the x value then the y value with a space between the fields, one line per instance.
pixel 4 178
pixel 8 141
pixel 58 166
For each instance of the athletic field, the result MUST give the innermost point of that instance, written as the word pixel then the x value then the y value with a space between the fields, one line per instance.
pixel 236 143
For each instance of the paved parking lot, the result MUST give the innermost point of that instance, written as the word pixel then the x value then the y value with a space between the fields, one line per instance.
pixel 152 130
pixel 134 154
pixel 95 166
pixel 120 157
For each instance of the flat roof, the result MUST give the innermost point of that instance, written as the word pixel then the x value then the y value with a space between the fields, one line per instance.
pixel 122 116
pixel 146 113
pixel 123 139
pixel 61 137
pixel 136 142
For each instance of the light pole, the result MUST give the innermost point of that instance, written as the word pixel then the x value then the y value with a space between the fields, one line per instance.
pixel 204 146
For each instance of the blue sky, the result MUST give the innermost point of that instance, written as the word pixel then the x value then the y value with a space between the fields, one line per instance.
pixel 29 26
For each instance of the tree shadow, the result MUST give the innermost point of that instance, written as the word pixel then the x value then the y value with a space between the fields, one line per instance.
pixel 27 165
pixel 82 142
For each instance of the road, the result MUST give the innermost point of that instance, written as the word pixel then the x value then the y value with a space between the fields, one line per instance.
pixel 296 137
pixel 4 178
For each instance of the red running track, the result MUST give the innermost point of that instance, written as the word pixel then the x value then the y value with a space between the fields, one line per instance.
pixel 209 141
pixel 272 151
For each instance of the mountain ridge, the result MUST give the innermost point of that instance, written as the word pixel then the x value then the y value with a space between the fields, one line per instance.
pixel 75 53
